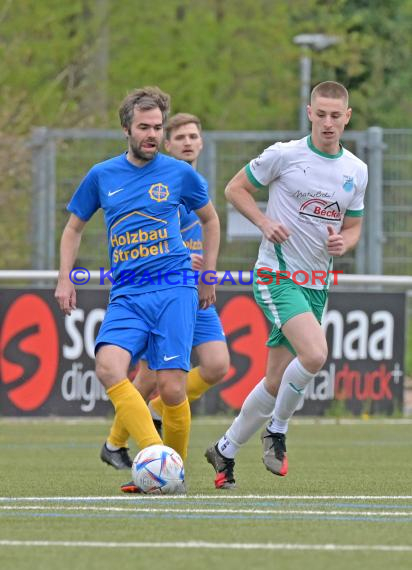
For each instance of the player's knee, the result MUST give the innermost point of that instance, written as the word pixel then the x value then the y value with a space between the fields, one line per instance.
pixel 320 359
pixel 107 373
pixel 172 394
pixel 103 370
pixel 214 371
pixel 314 359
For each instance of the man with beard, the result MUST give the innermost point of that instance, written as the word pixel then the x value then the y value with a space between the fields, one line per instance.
pixel 183 140
pixel 154 296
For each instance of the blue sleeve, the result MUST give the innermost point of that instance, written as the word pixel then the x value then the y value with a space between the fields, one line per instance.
pixel 195 190
pixel 86 200
pixel 185 218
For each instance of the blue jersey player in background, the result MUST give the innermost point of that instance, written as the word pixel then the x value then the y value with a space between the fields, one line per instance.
pixel 154 298
pixel 183 141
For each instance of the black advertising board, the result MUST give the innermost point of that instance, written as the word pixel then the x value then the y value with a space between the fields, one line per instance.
pixel 364 370
pixel 365 366
pixel 47 359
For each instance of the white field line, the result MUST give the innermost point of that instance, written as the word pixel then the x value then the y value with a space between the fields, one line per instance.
pixel 223 496
pixel 133 510
pixel 208 421
pixel 199 420
pixel 213 545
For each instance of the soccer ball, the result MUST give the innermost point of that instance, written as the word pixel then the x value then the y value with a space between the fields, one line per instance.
pixel 159 470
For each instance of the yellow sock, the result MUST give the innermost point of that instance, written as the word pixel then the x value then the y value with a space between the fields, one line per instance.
pixel 118 435
pixel 176 427
pixel 195 387
pixel 133 413
pixel 157 405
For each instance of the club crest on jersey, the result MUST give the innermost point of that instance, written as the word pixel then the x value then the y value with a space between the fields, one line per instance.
pixel 347 183
pixel 159 192
pixel 322 209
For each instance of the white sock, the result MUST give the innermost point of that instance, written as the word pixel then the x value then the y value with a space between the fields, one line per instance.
pixel 256 409
pixel 227 448
pixel 111 447
pixel 291 392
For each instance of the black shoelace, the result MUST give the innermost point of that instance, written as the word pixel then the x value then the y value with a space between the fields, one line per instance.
pixel 278 444
pixel 228 469
pixel 124 455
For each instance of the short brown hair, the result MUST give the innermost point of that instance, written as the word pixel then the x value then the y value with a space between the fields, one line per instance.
pixel 145 99
pixel 330 90
pixel 179 120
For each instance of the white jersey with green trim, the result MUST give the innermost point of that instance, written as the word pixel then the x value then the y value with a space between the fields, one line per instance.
pixel 308 190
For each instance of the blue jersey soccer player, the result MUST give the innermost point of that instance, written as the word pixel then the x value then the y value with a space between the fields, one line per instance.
pixel 154 287
pixel 184 142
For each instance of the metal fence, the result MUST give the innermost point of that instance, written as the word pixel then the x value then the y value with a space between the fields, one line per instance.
pixel 397 201
pixel 35 190
pixel 16 195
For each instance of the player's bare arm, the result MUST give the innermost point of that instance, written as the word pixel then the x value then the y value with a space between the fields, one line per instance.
pixel 339 243
pixel 69 246
pixel 239 193
pixel 211 240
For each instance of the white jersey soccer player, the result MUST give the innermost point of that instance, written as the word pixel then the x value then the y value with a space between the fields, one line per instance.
pixel 306 188
pixel 314 212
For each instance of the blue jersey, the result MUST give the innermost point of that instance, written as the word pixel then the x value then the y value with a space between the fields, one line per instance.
pixel 140 206
pixel 191 230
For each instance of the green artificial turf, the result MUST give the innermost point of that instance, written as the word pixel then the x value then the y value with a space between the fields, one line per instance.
pixel 349 483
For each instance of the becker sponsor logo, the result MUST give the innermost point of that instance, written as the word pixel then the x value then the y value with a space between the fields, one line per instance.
pixel 29 352
pixel 317 208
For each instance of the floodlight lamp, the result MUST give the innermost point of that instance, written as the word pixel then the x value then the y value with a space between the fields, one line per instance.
pixel 317 42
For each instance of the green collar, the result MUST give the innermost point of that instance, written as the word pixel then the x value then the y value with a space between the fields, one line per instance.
pixel 324 154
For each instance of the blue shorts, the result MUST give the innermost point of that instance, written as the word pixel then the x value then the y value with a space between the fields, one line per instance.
pixel 208 328
pixel 160 323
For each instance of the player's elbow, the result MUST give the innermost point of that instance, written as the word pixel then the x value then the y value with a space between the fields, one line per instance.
pixel 230 192
pixel 74 225
pixel 210 219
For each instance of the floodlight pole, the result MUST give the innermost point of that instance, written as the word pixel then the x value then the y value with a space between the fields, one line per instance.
pixel 309 42
pixel 305 81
